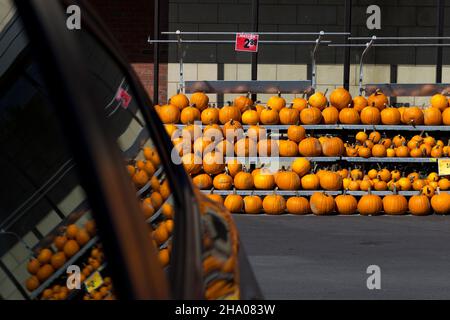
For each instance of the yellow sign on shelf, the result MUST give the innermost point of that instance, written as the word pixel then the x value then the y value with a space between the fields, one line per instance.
pixel 444 167
pixel 93 282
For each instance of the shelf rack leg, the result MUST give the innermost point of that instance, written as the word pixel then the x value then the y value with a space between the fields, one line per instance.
pixel 361 63
pixel 255 22
pixel 180 59
pixel 156 54
pixel 313 60
pixel 440 33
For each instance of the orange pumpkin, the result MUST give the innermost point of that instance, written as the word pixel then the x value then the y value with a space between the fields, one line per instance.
pixel 419 205
pixel 321 203
pixel 370 115
pixel 390 116
pixel 298 205
pixel 310 182
pixel 269 116
pixel 296 133
pixel 210 116
pixel 346 204
pixel 253 204
pixel 200 100
pixel 169 114
pixel 370 204
pixel 242 102
pixel 228 113
pixel 349 116
pixel 289 115
pixel 333 147
pixel 318 100
pixel 413 115
pixel 311 115
pixel 301 166
pixel 71 248
pixel 299 104
pixel 340 98
pixel 274 204
pixel 330 115
pixel 378 100
pixel 439 101
pixel 276 102
pixel 432 117
pixel 359 103
pixel 310 147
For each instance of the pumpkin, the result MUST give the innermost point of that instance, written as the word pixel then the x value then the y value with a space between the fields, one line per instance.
pixel 242 102
pixel 44 256
pixel 439 101
pixel 232 129
pixel 82 237
pixel 180 101
pixel 200 100
pixel 432 117
pixel 370 115
pixel 299 104
pixel 216 198
pixel 203 181
pixel 152 155
pixel 234 166
pixel 440 202
pixel 378 100
pixel 321 203
pixel 354 185
pixel 209 116
pixel 310 147
pixel 154 183
pixel 164 192
pixel 418 184
pixel 311 115
pixel 386 142
pixel 45 272
pixel 370 204
pixel 359 103
pixel 141 178
pixel 169 114
pixel 213 162
pixel 413 115
pixel 399 140
pixel 419 205
pixel 276 102
pixel 340 98
pixel 33 266
pixel 71 248
pixel 252 204
pixel 287 180
pixel 379 150
pixel 433 176
pixel 246 148
pixel 356 174
pixel 287 148
pixel 361 136
pixel 289 115
pixel 404 184
pixel 147 208
pixel 32 283
pixel 160 234
pixel 402 152
pixel 223 181
pixel 310 182
pixel 349 116
pixel 149 168
pixel 296 133
pixel 380 185
pixel 274 204
pixel 446 116
pixel 250 117
pixel 228 113
pixel 189 115
pixel 267 147
pixel 346 204
pixel 390 116
pixel 330 181
pixel 71 231
pixel 444 184
pixel 333 147
pixel 269 116
pixel 330 115
pixel 428 191
pixel 364 151
pixel 301 166
pixel 436 152
pixel 256 132
pixel 318 100
pixel 264 180
pixel 192 163
pixel 58 260
pixel 243 181
pixel 298 205
pixel 365 185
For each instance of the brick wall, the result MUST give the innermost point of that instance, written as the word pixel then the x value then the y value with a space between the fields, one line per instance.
pixel 131 22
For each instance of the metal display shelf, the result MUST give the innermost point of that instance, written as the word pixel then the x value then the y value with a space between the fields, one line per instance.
pixel 229 86
pixel 281 159
pixel 165 244
pixel 63 269
pixel 378 127
pixel 408 89
pixel 148 184
pixel 158 213
pixel 386 193
pixel 393 159
pixel 269 192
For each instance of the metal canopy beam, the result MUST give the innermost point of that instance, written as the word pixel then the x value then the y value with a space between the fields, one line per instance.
pixel 408 89
pixel 221 86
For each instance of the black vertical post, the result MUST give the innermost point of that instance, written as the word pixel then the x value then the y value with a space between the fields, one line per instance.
pixel 156 53
pixel 220 76
pixel 440 33
pixel 347 28
pixel 393 79
pixel 255 21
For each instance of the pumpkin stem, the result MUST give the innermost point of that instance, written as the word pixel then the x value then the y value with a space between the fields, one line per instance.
pixel 395 188
pixel 279 94
pixel 229 103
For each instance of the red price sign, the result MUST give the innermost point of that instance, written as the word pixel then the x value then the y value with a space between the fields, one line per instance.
pixel 124 97
pixel 246 42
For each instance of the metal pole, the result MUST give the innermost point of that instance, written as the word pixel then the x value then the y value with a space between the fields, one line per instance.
pixel 313 60
pixel 347 28
pixel 180 59
pixel 361 64
pixel 255 22
pixel 156 53
pixel 439 33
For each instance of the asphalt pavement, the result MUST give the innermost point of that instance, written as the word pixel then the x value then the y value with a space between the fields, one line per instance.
pixel 310 257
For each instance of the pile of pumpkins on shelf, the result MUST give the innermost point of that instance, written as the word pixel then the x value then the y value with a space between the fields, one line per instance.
pixel 64 246
pixel 317 109
pixel 428 199
pixel 142 172
pixel 104 292
pixel 59 291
